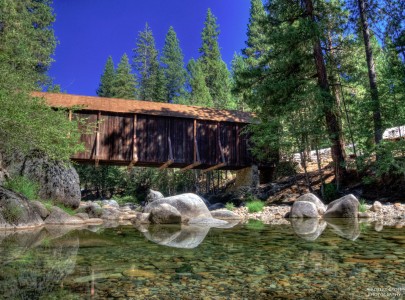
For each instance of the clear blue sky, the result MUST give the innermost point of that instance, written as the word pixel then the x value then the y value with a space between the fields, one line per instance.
pixel 90 30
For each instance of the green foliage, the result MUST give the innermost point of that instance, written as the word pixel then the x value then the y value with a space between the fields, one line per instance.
pixel 68 210
pixel 255 206
pixel 12 212
pixel 329 192
pixel 230 206
pixel 124 83
pixel 255 224
pixel 200 94
pixel 23 185
pixel 217 76
pixel 363 205
pixel 173 66
pixel 121 200
pixel 27 43
pixel 107 78
pixel 150 75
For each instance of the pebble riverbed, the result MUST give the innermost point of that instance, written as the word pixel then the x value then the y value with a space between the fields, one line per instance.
pixel 249 261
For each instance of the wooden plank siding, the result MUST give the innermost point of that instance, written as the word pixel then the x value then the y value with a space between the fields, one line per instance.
pixel 117 141
pixel 141 133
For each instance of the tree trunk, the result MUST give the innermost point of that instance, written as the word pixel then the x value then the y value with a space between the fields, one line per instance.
pixel 332 121
pixel 371 73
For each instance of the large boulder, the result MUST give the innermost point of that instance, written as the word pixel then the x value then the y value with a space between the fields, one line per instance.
pixel 315 200
pixel 92 209
pixel 152 196
pixel 345 207
pixel 57 181
pixel 59 216
pixel 303 209
pixel 40 209
pixel 164 214
pixel 189 205
pixel 16 211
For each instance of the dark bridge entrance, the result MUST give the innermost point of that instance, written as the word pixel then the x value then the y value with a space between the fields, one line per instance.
pixel 153 134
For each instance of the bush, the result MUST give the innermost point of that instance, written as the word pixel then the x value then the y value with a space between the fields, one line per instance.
pixel 229 206
pixel 121 200
pixel 362 206
pixel 23 185
pixel 255 206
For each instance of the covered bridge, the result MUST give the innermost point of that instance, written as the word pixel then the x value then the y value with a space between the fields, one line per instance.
pixel 154 134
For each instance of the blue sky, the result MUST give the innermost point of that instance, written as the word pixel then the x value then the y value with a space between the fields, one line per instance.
pixel 90 30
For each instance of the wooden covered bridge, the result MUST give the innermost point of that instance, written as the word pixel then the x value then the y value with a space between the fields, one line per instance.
pixel 153 134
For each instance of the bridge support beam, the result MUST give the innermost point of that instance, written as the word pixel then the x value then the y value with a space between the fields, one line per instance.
pixel 193 165
pixel 166 164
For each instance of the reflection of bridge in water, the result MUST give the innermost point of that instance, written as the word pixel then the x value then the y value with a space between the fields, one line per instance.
pixel 153 134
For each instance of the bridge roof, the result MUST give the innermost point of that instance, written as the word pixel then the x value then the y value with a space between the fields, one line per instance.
pixel 145 107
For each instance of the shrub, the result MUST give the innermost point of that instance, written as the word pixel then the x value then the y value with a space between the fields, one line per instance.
pixel 121 200
pixel 23 185
pixel 229 206
pixel 255 206
pixel 362 206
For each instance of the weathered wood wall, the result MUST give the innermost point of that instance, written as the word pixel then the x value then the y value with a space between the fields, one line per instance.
pixel 156 141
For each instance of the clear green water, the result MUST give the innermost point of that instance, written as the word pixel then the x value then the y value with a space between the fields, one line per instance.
pixel 251 261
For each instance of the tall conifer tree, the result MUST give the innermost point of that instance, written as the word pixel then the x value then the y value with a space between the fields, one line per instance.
pixel 106 80
pixel 200 94
pixel 217 76
pixel 173 66
pixel 124 83
pixel 146 63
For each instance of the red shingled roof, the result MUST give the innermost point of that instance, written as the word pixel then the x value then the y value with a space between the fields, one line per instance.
pixel 145 107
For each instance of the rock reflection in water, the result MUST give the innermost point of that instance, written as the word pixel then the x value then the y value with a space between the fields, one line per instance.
pixel 177 236
pixel 310 229
pixel 347 228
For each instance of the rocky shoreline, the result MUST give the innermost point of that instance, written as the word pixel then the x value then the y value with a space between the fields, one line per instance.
pixel 388 214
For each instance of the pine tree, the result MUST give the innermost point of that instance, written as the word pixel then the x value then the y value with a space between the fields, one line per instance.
pixel 256 45
pixel 146 63
pixel 106 80
pixel 216 73
pixel 173 66
pixel 124 83
pixel 200 94
pixel 27 44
